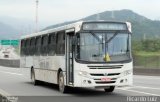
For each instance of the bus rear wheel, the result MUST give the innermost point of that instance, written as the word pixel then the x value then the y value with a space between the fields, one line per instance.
pixel 33 79
pixel 62 87
pixel 110 89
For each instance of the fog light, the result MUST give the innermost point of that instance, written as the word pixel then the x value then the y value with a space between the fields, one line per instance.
pixel 121 81
pixel 89 82
pixel 84 81
pixel 127 72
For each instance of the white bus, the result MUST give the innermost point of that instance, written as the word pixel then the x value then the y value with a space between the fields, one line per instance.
pixel 90 54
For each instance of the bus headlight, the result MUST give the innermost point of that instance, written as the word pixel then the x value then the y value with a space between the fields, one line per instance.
pixel 83 73
pixel 127 72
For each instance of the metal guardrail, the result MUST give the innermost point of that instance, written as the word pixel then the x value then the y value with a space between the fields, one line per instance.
pixel 147 66
pixel 147 71
pixel 10 62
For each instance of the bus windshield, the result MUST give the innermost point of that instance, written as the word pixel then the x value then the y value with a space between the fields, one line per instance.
pixel 103 47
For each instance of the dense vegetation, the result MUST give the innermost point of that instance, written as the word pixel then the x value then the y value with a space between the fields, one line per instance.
pixel 147 45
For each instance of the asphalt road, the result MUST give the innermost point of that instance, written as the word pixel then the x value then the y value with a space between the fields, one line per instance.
pixel 16 82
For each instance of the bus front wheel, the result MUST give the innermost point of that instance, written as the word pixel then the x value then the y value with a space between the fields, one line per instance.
pixel 62 87
pixel 110 89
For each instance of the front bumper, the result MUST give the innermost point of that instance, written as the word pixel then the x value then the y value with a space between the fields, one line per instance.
pixel 97 82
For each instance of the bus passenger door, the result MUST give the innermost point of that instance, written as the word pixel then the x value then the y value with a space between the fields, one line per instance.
pixel 69 58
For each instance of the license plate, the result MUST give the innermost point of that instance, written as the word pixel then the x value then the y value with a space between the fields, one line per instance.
pixel 105 79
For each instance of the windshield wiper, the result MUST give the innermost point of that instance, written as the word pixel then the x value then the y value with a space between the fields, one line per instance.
pixel 115 34
pixel 94 35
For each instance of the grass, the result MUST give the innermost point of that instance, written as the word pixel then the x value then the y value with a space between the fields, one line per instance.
pixel 146 54
pixel 147 59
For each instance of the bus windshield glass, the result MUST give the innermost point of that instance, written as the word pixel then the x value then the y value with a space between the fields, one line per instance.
pixel 103 47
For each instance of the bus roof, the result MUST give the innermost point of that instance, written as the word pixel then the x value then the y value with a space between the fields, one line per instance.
pixel 65 27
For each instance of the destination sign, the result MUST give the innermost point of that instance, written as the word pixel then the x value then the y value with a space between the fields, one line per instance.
pixel 104 26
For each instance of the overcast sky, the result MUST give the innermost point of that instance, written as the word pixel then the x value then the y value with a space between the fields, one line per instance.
pixel 56 11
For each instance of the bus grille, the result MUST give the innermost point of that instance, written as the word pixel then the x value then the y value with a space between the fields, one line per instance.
pixel 105 82
pixel 109 74
pixel 113 79
pixel 106 67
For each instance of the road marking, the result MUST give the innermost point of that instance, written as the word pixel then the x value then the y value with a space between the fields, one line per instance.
pixel 147 87
pixel 146 77
pixel 127 87
pixel 4 93
pixel 11 73
pixel 139 92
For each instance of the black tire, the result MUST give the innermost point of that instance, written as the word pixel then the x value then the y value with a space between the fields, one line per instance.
pixel 62 87
pixel 33 80
pixel 110 89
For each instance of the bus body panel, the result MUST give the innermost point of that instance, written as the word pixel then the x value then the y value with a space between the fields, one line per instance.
pixel 45 67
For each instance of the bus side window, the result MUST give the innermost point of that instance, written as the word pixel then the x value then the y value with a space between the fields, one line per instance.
pixel 22 47
pixel 36 41
pixel 60 43
pixel 44 43
pixel 38 45
pixel 32 44
pixel 25 47
pixel 28 47
pixel 52 44
pixel 54 40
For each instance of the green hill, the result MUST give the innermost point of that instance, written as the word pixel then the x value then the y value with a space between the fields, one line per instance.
pixel 141 26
